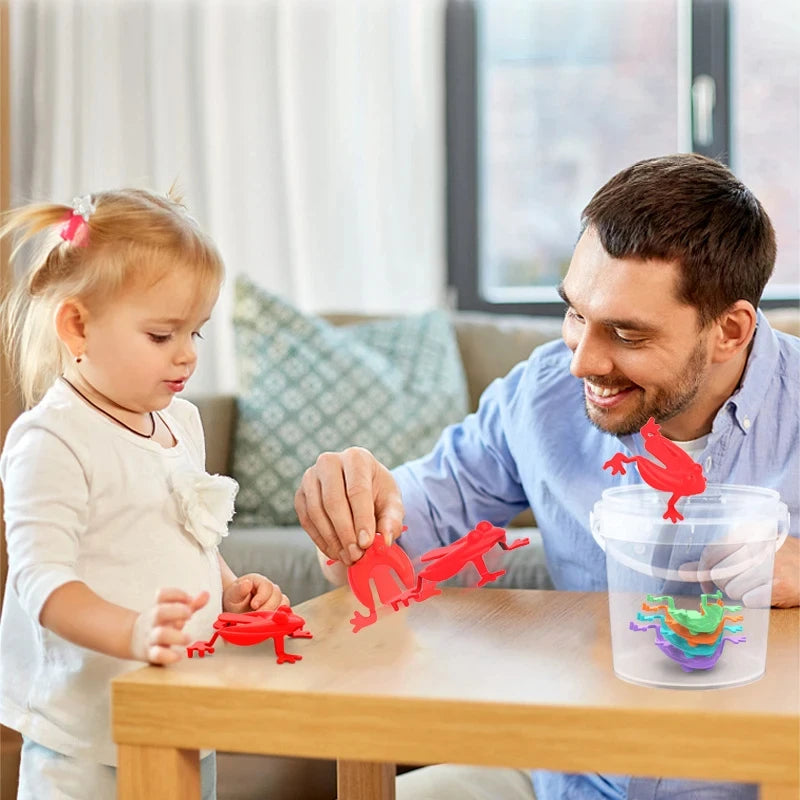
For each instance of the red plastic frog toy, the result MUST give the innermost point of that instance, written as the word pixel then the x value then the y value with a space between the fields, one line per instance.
pixel 377 564
pixel 449 560
pixel 253 627
pixel 679 475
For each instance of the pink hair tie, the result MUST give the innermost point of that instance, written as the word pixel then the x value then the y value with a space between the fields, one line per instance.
pixel 76 229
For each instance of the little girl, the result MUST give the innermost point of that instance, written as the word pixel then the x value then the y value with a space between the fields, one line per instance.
pixel 112 523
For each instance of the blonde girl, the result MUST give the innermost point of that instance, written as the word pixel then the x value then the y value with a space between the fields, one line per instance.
pixel 112 523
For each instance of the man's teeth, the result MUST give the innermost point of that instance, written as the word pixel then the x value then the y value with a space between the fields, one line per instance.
pixel 601 392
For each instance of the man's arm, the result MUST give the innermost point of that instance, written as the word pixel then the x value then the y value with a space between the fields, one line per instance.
pixel 345 497
pixel 471 474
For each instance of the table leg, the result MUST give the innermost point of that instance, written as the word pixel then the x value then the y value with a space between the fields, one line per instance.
pixel 364 780
pixel 157 772
pixel 779 791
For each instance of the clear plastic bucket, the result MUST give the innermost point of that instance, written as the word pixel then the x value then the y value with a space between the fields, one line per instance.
pixel 689 601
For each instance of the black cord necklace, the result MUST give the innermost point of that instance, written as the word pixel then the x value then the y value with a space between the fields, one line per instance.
pixel 111 416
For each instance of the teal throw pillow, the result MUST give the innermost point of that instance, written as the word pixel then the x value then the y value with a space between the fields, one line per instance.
pixel 306 386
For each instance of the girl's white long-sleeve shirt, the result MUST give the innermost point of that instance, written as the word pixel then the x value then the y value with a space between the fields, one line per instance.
pixel 87 500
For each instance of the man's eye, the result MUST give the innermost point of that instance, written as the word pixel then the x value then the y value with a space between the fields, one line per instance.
pixel 624 340
pixel 197 335
pixel 572 314
pixel 160 338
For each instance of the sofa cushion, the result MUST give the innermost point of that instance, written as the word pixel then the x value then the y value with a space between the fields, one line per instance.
pixel 306 386
pixel 491 344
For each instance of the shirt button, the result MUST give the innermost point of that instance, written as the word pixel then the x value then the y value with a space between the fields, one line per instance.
pixel 746 423
pixel 708 464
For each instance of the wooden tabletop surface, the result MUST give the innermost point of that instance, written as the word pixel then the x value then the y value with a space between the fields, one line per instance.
pixel 509 677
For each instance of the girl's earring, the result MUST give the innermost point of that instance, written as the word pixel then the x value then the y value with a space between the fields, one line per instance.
pixel 79 359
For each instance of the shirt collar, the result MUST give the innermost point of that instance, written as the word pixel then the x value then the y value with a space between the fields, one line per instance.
pixel 762 362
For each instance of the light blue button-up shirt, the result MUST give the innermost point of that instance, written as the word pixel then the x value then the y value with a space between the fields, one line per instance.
pixel 531 444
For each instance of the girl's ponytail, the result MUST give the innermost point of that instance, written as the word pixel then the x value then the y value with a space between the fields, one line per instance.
pixel 27 312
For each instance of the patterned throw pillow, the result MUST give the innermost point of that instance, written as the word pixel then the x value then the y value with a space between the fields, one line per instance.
pixel 306 386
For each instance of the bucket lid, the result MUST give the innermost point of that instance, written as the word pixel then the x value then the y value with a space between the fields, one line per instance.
pixel 718 504
pixel 749 521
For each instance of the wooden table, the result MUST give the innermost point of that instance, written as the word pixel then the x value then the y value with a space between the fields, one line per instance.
pixel 498 677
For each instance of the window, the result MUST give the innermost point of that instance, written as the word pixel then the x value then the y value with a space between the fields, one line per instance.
pixel 547 99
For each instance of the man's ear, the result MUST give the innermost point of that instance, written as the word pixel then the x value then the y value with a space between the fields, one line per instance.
pixel 733 331
pixel 71 318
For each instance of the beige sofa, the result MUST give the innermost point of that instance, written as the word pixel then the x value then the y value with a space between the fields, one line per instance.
pixel 489 345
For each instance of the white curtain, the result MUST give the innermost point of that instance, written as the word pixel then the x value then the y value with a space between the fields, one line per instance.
pixel 307 136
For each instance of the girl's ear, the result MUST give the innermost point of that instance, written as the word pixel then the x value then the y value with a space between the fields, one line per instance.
pixel 734 331
pixel 71 318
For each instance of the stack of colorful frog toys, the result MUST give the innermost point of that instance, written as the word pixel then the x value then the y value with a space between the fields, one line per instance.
pixel 692 638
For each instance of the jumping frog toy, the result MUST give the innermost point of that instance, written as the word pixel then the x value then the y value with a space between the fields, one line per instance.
pixel 380 563
pixel 706 620
pixel 679 475
pixel 447 561
pixel 254 627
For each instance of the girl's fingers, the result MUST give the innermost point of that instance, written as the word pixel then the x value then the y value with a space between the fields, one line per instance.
pixel 162 655
pixel 173 595
pixel 166 636
pixel 171 614
pixel 170 594
pixel 263 590
pixel 275 599
pixel 199 601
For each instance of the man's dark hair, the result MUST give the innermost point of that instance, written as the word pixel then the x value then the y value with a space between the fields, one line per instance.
pixel 692 210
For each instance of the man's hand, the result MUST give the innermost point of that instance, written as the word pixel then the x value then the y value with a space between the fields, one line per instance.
pixel 344 499
pixel 157 634
pixel 786 577
pixel 742 571
pixel 253 592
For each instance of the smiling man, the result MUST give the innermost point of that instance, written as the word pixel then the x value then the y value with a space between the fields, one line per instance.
pixel 662 294
pixel 641 350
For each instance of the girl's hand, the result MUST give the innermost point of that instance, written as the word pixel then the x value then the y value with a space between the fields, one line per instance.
pixel 252 592
pixel 158 630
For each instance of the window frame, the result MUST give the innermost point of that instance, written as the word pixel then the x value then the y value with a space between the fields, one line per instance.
pixel 710 55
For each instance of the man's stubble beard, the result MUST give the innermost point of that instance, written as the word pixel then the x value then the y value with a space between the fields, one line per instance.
pixel 666 404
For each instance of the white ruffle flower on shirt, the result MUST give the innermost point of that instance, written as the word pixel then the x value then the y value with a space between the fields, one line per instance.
pixel 205 503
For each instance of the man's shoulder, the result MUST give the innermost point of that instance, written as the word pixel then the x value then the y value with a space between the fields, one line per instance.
pixel 788 347
pixel 547 368
pixel 549 360
pixel 544 388
pixel 788 365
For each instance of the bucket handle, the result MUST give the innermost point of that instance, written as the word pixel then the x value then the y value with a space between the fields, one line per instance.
pixel 783 527
pixel 672 574
pixel 594 527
